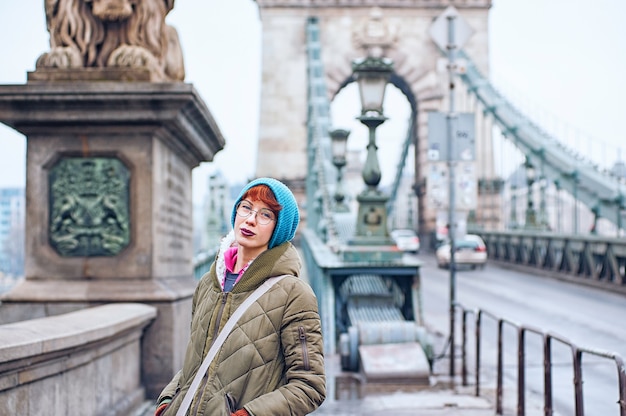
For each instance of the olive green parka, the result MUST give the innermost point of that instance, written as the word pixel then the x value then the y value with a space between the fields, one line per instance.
pixel 272 362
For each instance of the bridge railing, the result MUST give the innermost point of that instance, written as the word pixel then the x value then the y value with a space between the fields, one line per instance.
pixel 202 263
pixel 591 259
pixel 548 361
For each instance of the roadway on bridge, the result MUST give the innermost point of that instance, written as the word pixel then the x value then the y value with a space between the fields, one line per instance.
pixel 588 317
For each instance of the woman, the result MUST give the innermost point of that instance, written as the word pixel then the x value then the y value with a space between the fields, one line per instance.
pixel 272 362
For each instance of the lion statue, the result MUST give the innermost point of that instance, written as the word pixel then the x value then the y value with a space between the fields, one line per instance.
pixel 113 33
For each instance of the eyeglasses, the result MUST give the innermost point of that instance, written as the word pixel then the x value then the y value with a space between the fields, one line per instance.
pixel 264 216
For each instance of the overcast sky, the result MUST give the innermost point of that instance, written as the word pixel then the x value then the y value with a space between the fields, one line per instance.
pixel 564 60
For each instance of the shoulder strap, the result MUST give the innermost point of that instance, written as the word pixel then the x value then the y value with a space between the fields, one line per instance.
pixel 217 344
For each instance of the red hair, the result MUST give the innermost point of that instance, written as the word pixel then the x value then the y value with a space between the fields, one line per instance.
pixel 264 194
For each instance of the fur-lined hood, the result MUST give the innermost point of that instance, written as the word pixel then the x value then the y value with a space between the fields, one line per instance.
pixel 220 265
pixel 283 259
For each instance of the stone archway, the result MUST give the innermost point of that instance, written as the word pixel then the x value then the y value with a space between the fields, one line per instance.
pixel 396 29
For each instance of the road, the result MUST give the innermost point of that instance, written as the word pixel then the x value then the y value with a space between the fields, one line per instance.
pixel 587 317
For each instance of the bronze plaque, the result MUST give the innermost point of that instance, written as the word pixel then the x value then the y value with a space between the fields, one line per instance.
pixel 89 206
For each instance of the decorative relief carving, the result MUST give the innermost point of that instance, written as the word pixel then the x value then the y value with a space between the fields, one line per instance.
pixel 89 207
pixel 374 34
pixel 113 33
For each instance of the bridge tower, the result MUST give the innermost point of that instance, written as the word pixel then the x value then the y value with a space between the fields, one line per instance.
pixel 397 29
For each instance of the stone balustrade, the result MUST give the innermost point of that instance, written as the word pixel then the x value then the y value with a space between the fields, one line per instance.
pixel 86 362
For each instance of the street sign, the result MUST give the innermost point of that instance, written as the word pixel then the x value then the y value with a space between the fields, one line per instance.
pixel 464 146
pixel 437 192
pixel 465 186
pixel 439 29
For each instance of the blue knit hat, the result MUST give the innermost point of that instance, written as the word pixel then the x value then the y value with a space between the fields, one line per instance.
pixel 288 217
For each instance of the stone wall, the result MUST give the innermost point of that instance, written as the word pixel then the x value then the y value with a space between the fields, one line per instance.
pixel 86 362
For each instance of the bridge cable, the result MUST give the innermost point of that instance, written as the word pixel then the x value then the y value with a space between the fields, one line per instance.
pixel 401 165
pixel 598 189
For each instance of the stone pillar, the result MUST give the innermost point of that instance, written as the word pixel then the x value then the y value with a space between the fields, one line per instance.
pixel 109 204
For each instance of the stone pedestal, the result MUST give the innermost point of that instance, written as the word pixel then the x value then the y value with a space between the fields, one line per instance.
pixel 109 204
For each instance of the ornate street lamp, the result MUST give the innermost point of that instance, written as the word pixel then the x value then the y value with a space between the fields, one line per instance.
pixel 595 210
pixel 574 176
pixel 339 144
pixel 223 219
pixel 544 223
pixel 372 75
pixel 531 217
pixel 513 217
pixel 621 207
pixel 559 209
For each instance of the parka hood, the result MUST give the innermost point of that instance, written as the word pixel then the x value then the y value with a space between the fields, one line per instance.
pixel 282 259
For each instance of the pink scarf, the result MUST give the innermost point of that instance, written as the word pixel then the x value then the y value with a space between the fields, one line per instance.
pixel 230 259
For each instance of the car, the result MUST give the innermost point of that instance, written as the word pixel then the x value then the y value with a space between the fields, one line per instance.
pixel 406 240
pixel 469 250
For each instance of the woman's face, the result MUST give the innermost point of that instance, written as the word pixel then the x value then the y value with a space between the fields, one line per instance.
pixel 254 225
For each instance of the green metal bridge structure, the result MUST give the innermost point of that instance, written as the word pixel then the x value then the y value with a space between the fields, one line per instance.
pixel 369 299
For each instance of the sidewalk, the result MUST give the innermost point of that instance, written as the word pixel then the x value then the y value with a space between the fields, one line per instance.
pixel 346 398
pixel 429 402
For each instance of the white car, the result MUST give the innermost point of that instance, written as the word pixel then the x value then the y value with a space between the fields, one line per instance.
pixel 470 250
pixel 406 240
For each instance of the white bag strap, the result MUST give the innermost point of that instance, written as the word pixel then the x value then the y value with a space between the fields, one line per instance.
pixel 217 344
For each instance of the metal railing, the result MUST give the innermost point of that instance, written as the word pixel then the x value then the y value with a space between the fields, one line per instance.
pixel 548 340
pixel 202 263
pixel 595 260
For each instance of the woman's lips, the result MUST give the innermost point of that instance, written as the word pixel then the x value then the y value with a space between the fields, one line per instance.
pixel 246 232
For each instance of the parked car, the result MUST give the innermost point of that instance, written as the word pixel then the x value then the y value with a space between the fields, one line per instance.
pixel 469 250
pixel 406 240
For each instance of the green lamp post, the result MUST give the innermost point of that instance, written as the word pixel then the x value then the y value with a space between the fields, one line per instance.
pixel 531 216
pixel 372 75
pixel 513 216
pixel 339 143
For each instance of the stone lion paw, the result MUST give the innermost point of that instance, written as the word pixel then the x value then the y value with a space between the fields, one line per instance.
pixel 127 56
pixel 60 57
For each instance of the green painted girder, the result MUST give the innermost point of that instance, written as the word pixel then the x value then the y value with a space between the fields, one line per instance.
pixel 597 189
